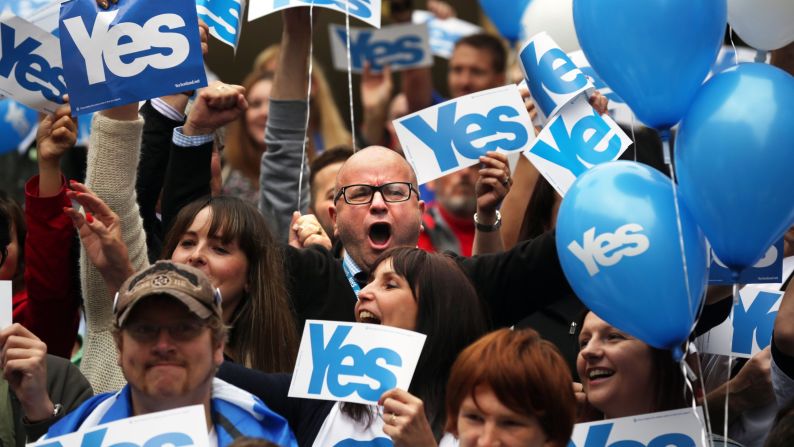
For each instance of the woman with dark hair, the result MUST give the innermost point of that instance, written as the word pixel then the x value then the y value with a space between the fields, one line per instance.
pixel 511 388
pixel 623 376
pixel 409 289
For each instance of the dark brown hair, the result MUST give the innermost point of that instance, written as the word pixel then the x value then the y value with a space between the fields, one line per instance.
pixel 449 312
pixel 16 223
pixel 526 373
pixel 262 330
pixel 491 44
pixel 337 154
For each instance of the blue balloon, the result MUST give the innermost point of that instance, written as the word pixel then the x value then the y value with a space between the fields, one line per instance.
pixel 654 54
pixel 506 16
pixel 618 244
pixel 734 153
pixel 16 122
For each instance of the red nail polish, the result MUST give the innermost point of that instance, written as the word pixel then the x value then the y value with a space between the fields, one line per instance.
pixel 89 217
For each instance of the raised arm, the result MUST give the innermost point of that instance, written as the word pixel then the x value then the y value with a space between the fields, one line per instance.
pixel 280 172
pixel 53 298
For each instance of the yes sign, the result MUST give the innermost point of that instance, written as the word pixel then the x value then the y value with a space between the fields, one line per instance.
pixel 30 65
pixel 134 51
pixel 768 269
pixel 175 428
pixel 553 79
pixel 366 10
pixel 353 362
pixel 400 46
pixel 573 142
pixel 451 136
pixel 676 428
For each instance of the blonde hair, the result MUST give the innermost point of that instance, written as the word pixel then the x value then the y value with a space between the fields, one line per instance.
pixel 323 107
pixel 241 151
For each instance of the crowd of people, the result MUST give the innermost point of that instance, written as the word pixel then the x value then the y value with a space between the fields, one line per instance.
pixel 195 264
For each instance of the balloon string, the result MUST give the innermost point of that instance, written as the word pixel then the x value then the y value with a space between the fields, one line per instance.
pixel 733 45
pixel 308 102
pixel 686 371
pixel 350 75
pixel 730 365
pixel 706 413
pixel 667 158
pixel 633 137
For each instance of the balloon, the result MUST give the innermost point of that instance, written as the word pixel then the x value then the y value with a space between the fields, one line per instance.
pixel 506 16
pixel 553 16
pixel 654 54
pixel 734 156
pixel 16 122
pixel 763 24
pixel 618 244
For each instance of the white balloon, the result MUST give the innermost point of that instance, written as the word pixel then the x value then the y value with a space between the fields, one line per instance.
pixel 763 24
pixel 556 18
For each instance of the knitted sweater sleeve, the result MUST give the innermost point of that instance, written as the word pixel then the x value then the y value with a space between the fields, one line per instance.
pixel 111 173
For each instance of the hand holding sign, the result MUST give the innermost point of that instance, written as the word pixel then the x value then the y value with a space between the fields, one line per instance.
pixel 492 186
pixel 25 368
pixel 56 134
pixel 404 419
pixel 216 106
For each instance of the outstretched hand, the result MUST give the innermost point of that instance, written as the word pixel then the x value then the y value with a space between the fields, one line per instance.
pixel 100 233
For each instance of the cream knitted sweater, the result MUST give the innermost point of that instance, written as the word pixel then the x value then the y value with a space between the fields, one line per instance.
pixel 111 174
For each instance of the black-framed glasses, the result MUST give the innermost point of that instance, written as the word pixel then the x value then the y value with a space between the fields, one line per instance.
pixel 182 331
pixel 362 194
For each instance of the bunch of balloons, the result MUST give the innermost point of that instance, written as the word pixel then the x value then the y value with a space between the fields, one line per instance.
pixel 630 240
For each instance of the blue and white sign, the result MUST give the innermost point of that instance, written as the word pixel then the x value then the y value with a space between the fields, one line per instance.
pixel 30 65
pixel 453 135
pixel 399 46
pixel 131 52
pixel 364 10
pixel 6 304
pixel 768 269
pixel 444 33
pixel 224 19
pixel 16 123
pixel 354 362
pixel 553 79
pixel 675 428
pixel 178 427
pixel 618 109
pixel 749 330
pixel 574 141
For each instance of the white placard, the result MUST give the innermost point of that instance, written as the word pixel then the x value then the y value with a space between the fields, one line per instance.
pixel 6 304
pixel 749 329
pixel 399 46
pixel 573 142
pixel 453 135
pixel 664 429
pixel 30 71
pixel 184 426
pixel 553 79
pixel 365 10
pixel 354 362
pixel 444 32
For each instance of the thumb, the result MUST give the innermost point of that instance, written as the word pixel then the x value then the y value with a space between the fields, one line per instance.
pixel 294 241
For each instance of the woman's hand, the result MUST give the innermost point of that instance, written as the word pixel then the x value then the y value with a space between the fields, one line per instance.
pixel 492 185
pixel 404 419
pixel 100 233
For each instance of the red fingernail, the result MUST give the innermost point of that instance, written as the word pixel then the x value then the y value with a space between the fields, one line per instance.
pixel 89 217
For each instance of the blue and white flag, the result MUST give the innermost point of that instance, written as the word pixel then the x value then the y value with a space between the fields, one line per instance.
pixel 574 141
pixel 22 8
pixel 16 122
pixel 224 19
pixel 401 47
pixel 365 10
pixel 30 65
pixel 133 51
pixel 453 135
